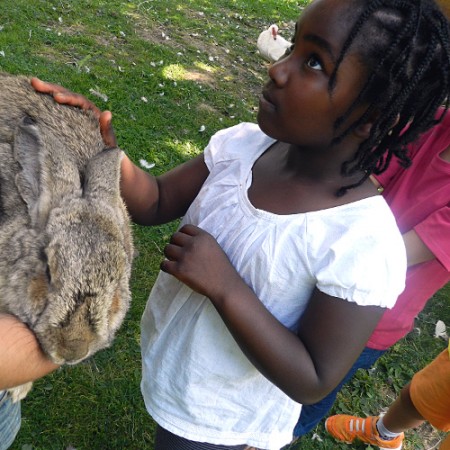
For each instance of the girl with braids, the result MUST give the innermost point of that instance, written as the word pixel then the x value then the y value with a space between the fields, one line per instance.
pixel 286 257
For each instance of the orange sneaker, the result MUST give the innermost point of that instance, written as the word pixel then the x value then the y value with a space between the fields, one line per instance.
pixel 349 428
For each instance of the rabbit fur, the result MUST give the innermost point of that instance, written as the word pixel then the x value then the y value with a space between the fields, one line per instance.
pixel 65 236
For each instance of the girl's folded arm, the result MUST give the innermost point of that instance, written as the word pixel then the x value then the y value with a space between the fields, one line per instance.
pixel 332 334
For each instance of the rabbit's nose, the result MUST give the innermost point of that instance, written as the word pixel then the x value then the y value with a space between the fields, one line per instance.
pixel 74 350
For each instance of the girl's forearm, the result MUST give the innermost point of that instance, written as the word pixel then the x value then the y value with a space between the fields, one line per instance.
pixel 155 200
pixel 271 347
pixel 139 191
pixel 307 366
pixel 21 358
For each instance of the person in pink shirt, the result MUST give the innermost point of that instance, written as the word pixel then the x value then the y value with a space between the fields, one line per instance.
pixel 419 197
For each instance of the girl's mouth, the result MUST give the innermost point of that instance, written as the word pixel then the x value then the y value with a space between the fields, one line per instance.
pixel 266 101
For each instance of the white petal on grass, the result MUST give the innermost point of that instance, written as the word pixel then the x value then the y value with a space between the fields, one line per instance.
pixel 2 53
pixel 202 129
pixel 145 164
pixel 144 99
pixel 98 94
pixel 440 330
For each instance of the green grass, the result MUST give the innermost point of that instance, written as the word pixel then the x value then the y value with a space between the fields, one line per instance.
pixel 166 68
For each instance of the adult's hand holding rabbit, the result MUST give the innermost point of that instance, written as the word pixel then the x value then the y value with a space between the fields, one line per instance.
pixel 21 358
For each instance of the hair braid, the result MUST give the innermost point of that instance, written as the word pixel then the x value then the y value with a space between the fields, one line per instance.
pixel 409 78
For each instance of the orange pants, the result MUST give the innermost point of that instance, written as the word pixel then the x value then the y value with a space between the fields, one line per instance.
pixel 445 444
pixel 430 393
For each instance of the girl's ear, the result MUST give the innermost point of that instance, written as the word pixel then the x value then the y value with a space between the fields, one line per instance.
pixel 363 131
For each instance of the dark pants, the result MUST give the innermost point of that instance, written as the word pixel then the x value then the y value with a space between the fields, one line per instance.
pixel 311 415
pixel 165 440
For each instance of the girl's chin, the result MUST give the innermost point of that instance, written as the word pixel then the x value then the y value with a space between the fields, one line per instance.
pixel 267 126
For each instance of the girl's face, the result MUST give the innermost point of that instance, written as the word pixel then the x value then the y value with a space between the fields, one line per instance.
pixel 296 105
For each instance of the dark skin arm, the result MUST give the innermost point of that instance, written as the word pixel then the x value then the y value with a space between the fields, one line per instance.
pixel 333 332
pixel 306 367
pixel 155 200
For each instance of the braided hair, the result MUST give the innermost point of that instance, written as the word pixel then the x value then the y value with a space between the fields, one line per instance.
pixel 405 46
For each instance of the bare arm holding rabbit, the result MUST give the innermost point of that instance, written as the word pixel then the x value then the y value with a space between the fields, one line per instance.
pixel 21 358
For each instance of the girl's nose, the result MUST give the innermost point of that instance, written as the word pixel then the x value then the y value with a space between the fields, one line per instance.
pixel 279 71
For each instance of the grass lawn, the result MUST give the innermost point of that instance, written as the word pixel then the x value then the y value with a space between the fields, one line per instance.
pixel 173 73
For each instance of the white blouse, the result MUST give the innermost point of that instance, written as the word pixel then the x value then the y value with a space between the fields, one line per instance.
pixel 196 381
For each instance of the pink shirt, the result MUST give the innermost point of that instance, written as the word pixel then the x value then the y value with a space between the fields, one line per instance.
pixel 419 198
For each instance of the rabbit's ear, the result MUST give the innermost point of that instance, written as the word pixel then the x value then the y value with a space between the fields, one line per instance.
pixel 103 176
pixel 44 176
pixel 27 150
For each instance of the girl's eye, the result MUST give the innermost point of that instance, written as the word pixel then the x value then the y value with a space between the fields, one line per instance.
pixel 314 63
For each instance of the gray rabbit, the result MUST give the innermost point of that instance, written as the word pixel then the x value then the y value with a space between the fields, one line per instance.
pixel 65 235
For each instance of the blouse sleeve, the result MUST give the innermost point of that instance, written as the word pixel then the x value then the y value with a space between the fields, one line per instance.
pixel 238 142
pixel 362 263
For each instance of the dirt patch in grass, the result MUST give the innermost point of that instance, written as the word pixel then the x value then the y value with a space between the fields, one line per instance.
pixel 246 69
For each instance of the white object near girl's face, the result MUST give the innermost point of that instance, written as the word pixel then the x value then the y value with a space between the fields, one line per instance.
pixel 271 45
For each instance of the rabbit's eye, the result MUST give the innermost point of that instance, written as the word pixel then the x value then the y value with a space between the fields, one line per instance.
pixel 82 179
pixel 43 256
pixel 48 274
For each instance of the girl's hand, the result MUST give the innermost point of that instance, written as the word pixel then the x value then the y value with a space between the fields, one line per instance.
pixel 66 97
pixel 196 259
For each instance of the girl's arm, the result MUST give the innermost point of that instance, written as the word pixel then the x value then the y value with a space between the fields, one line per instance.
pixel 150 200
pixel 333 332
pixel 416 250
pixel 306 367
pixel 21 358
pixel 154 200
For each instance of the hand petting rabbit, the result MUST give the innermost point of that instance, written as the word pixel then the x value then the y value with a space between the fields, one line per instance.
pixel 65 236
